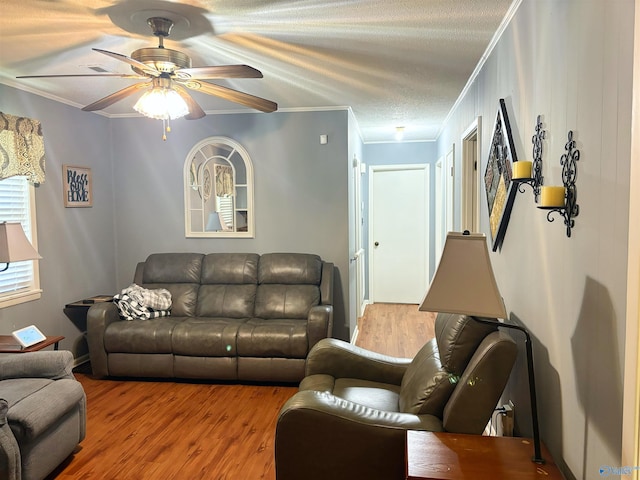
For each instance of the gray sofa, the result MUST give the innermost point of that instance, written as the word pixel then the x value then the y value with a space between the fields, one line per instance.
pixel 42 413
pixel 234 316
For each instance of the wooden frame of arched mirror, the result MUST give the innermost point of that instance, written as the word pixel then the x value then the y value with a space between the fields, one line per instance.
pixel 218 190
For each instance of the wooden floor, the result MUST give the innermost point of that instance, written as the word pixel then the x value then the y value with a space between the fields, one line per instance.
pixel 148 430
pixel 396 330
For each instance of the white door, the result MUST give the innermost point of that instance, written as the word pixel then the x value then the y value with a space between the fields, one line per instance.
pixel 399 246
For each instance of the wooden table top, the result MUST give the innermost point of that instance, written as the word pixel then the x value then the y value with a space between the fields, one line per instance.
pixel 449 456
pixel 8 344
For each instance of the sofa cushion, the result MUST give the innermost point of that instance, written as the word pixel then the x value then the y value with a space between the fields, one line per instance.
pixel 184 297
pixel 141 336
pixel 426 385
pixel 286 301
pixel 290 268
pixel 173 268
pixel 435 370
pixel 259 337
pixel 206 337
pixel 230 268
pixel 458 337
pixel 381 396
pixel 235 301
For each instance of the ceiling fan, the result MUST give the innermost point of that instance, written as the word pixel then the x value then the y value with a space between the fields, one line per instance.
pixel 167 69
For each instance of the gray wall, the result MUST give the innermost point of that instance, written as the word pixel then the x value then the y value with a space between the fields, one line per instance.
pixel 570 62
pixel 300 189
pixel 77 244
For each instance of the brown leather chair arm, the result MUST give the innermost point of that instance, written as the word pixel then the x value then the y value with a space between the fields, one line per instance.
pixel 99 316
pixel 319 323
pixel 320 436
pixel 340 359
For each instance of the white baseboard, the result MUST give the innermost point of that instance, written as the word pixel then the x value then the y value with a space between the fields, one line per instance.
pixel 363 307
pixel 354 337
pixel 80 360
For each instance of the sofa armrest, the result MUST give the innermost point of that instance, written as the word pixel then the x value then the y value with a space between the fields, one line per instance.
pixel 99 317
pixel 326 284
pixel 53 364
pixel 10 467
pixel 319 436
pixel 319 323
pixel 340 359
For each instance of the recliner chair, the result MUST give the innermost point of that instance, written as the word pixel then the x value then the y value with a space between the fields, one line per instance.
pixel 349 418
pixel 42 413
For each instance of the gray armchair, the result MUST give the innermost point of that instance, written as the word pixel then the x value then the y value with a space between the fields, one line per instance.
pixel 42 413
pixel 354 406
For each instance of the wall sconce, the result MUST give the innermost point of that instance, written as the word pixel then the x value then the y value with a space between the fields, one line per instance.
pixel 530 173
pixel 562 200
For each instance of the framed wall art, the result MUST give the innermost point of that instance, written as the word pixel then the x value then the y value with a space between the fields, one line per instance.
pixel 501 191
pixel 76 186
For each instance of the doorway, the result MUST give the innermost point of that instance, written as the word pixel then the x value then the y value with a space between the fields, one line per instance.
pixel 399 243
pixel 470 197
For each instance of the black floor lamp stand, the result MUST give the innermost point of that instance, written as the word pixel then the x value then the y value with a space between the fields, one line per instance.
pixel 537 455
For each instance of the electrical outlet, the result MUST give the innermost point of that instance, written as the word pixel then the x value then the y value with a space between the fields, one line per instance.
pixel 508 419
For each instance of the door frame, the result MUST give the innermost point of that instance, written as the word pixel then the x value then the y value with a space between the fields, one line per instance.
pixel 390 167
pixel 631 390
pixel 471 155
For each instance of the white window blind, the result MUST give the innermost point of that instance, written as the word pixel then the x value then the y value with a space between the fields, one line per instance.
pixel 225 207
pixel 15 206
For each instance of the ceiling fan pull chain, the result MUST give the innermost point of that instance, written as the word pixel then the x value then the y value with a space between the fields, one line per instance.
pixel 164 130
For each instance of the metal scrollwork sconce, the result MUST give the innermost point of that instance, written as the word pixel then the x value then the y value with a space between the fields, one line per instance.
pixel 530 173
pixel 563 200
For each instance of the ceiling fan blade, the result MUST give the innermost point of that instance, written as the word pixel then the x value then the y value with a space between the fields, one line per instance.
pixel 219 71
pixel 134 63
pixel 121 75
pixel 195 111
pixel 116 97
pixel 233 95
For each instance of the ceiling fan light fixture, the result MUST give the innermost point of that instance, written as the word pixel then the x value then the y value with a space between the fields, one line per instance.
pixel 161 102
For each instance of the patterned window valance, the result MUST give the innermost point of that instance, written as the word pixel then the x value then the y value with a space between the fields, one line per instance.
pixel 224 180
pixel 21 148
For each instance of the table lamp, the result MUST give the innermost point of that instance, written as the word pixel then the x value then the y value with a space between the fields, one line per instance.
pixel 464 284
pixel 14 245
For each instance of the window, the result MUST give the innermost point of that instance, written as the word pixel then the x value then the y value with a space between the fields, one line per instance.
pixel 218 187
pixel 21 282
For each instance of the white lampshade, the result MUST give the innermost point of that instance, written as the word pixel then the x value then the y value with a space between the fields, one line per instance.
pixel 213 223
pixel 162 102
pixel 14 245
pixel 464 282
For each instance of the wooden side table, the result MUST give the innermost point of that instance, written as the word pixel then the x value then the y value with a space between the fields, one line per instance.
pixel 8 344
pixel 77 311
pixel 449 456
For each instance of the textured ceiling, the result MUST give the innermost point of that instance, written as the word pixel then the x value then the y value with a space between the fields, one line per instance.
pixel 395 63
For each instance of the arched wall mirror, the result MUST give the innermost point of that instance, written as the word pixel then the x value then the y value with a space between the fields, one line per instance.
pixel 218 190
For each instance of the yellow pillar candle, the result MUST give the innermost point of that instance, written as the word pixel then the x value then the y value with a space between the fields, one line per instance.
pixel 552 196
pixel 522 169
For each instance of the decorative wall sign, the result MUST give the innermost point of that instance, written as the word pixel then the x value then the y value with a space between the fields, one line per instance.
pixel 76 186
pixel 501 191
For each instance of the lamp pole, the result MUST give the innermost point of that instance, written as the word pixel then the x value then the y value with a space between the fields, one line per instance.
pixel 537 453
